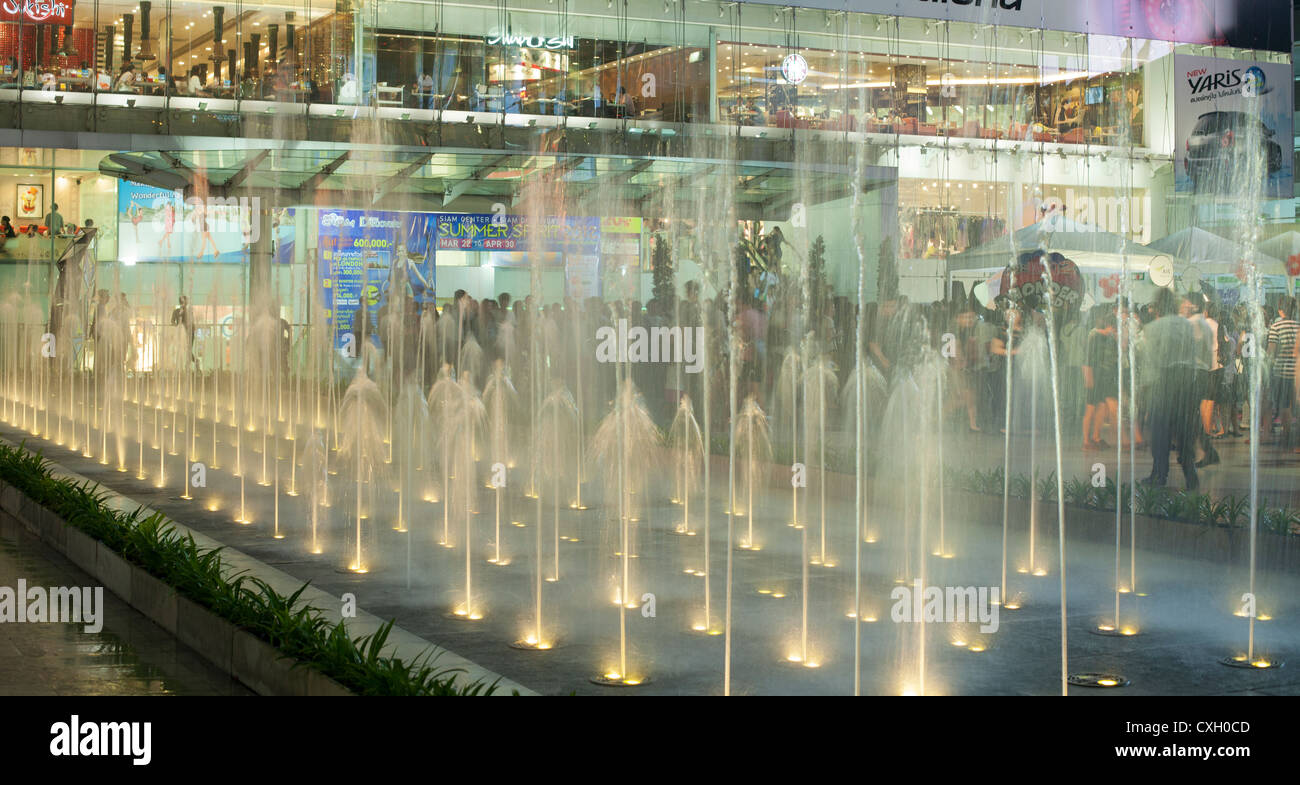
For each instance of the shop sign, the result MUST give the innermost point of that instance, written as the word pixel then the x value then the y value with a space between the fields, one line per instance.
pixel 794 68
pixel 530 41
pixel 55 12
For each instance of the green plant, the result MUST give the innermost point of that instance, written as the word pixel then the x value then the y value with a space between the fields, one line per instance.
pixel 1047 487
pixel 661 266
pixel 817 284
pixel 1077 492
pixel 296 629
pixel 886 271
pixel 1236 512
pixel 1020 487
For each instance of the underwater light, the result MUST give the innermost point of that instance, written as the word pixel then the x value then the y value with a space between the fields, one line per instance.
pixel 614 679
pixel 1110 630
pixel 532 643
pixel 1103 680
pixel 1247 663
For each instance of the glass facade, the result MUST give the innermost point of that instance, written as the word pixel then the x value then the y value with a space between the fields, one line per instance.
pixel 989 127
pixel 680 62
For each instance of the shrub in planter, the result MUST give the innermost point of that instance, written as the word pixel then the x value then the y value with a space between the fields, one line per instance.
pixel 297 630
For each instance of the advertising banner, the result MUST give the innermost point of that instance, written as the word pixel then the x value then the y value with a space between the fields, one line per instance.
pixel 1232 123
pixel 369 256
pixel 515 234
pixel 157 225
pixel 582 276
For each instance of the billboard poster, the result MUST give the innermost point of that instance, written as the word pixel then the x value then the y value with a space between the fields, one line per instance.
pixel 283 226
pixel 370 256
pixel 582 276
pixel 1232 123
pixel 157 225
pixel 509 238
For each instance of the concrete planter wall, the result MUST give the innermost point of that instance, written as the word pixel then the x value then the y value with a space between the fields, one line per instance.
pixel 253 662
pixel 260 666
pixel 206 633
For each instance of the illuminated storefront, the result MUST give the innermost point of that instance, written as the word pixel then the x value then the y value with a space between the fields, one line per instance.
pixel 993 117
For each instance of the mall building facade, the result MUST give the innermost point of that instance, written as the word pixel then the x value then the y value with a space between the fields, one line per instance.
pixel 287 129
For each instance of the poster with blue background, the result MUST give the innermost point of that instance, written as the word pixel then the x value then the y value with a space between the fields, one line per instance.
pixel 373 256
pixel 157 225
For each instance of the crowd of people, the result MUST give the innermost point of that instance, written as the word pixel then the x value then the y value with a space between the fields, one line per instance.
pixel 1188 358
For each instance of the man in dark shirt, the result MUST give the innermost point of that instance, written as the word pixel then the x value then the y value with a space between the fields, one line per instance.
pixel 1170 344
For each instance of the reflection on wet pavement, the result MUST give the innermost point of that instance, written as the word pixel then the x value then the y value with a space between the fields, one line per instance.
pixel 130 656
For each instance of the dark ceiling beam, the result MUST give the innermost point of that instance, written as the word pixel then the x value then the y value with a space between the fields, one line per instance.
pixel 674 184
pixel 622 177
pixel 461 188
pixel 384 188
pixel 237 179
pixel 754 181
pixel 549 176
pixel 308 189
pixel 197 182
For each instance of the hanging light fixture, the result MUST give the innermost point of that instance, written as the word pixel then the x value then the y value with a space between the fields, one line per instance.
pixel 69 47
pixel 147 51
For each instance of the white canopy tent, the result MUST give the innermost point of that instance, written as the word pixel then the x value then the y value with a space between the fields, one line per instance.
pixel 1284 246
pixel 1201 253
pixel 1095 252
